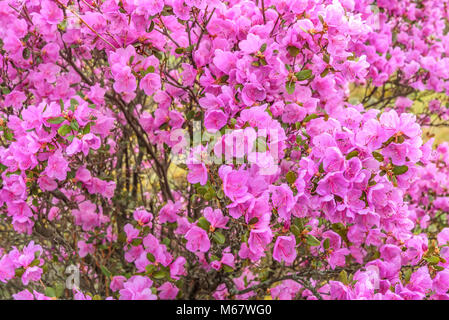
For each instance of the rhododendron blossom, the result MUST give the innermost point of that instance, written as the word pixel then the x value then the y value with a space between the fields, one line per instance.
pixel 205 149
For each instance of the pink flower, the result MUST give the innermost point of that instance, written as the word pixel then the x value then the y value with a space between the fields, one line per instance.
pixel 31 274
pixel 215 218
pixel 215 120
pixel 125 80
pixel 57 167
pixel 253 92
pixel 197 240
pixel 168 213
pixel 285 249
pixel 441 282
pixel 142 216
pixel 150 83
pixel 117 283
pixel 168 291
pixel 137 288
pixel 197 174
pixel 333 184
pixel 85 248
pixel 282 197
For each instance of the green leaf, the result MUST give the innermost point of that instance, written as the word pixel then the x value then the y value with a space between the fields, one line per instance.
pixel 260 145
pixel 64 130
pixel 179 50
pixel 326 243
pixel 203 224
pixel 74 124
pixel 151 26
pixel 136 242
pixel 303 74
pixel 86 129
pixel 295 230
pixel 59 290
pixel 290 87
pixel 56 120
pixel 263 47
pixel 159 275
pixel 310 117
pixel 352 154
pixel 253 220
pixel 398 170
pixel 50 292
pixel 291 177
pixel 73 104
pixel 432 259
pixel 219 237
pixel 105 271
pixel 227 268
pixel 151 257
pixel 150 268
pixel 26 53
pixel 343 276
pixel 312 241
pixel 379 157
pixel 293 51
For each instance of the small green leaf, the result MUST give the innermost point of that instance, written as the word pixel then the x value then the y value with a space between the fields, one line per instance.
pixel 310 117
pixel 312 241
pixel 159 275
pixel 432 259
pixel 56 120
pixel 74 124
pixel 150 257
pixel 290 87
pixel 398 170
pixel 50 292
pixel 136 242
pixel 295 230
pixel 219 237
pixel 326 243
pixel 203 224
pixel 227 268
pixel 379 157
pixel 303 74
pixel 343 276
pixel 263 47
pixel 291 177
pixel 253 220
pixel 293 51
pixel 105 271
pixel 352 154
pixel 64 130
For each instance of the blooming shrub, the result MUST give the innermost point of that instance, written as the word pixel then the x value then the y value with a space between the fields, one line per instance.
pixel 207 149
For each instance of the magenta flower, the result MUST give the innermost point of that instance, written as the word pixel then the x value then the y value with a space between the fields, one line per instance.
pixel 253 92
pixel 215 218
pixel 31 274
pixel 283 201
pixel 142 217
pixel 57 167
pixel 285 249
pixel 333 184
pixel 150 83
pixel 124 80
pixel 197 240
pixel 137 288
pixel 215 120
pixel 168 291
pixel 197 174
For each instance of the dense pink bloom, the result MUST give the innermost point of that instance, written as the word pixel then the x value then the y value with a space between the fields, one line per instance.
pixel 197 240
pixel 285 249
